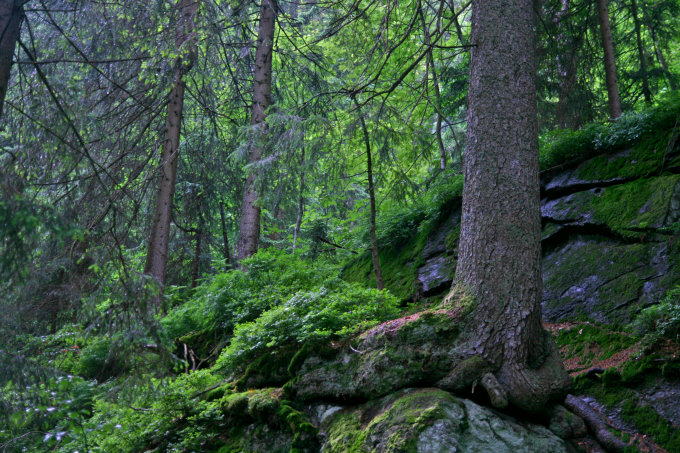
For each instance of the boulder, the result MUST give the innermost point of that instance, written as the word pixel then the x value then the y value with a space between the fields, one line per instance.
pixel 430 420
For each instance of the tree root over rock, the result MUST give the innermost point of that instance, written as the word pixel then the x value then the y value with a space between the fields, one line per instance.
pixel 599 428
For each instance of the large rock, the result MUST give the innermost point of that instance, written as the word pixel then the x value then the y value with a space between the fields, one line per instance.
pixel 432 421
pixel 415 350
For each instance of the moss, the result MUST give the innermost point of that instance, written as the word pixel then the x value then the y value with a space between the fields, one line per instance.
pixel 269 369
pixel 637 205
pixel 642 160
pixel 590 342
pixel 395 422
pixel 617 391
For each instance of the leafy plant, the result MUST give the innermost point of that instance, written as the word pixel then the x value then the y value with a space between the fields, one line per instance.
pixel 332 311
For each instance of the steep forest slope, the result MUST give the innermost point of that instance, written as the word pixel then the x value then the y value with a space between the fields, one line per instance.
pixel 292 357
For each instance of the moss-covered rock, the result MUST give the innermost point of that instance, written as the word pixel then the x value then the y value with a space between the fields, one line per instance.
pixel 432 420
pixel 599 279
pixel 260 421
pixel 414 350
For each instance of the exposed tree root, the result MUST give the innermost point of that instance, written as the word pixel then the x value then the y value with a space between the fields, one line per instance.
pixel 599 428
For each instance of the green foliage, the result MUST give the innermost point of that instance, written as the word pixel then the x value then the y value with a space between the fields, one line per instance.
pixel 661 320
pixel 563 146
pixel 335 310
pixel 235 297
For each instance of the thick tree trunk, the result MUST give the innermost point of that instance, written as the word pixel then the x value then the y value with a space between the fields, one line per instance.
pixel 249 232
pixel 157 253
pixel 11 16
pixel 609 60
pixel 371 195
pixel 641 53
pixel 499 261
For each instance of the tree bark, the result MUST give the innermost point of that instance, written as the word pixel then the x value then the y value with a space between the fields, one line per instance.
pixel 499 261
pixel 249 231
pixel 301 201
pixel 157 253
pixel 429 62
pixel 371 195
pixel 228 260
pixel 11 17
pixel 567 63
pixel 641 53
pixel 662 61
pixel 609 60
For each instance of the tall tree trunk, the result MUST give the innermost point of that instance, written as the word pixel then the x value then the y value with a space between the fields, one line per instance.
pixel 567 63
pixel 371 196
pixel 228 260
pixel 249 232
pixel 609 60
pixel 662 61
pixel 196 267
pixel 499 261
pixel 429 61
pixel 157 253
pixel 11 16
pixel 641 53
pixel 301 201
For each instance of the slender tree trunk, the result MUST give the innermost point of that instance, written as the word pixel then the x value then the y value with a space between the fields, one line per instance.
pixel 609 60
pixel 371 195
pixel 429 61
pixel 567 63
pixel 157 253
pixel 641 53
pixel 662 61
pixel 196 267
pixel 11 16
pixel 228 260
pixel 499 261
pixel 301 201
pixel 249 234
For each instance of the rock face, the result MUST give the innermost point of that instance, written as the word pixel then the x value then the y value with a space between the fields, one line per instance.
pixel 611 228
pixel 432 421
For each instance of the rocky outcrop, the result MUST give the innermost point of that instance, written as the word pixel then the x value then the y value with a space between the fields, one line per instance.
pixel 432 421
pixel 611 237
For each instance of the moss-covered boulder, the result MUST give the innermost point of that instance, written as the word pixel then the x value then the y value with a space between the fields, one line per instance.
pixel 260 421
pixel 414 350
pixel 432 420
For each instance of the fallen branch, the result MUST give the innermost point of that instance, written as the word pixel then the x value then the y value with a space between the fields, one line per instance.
pixel 338 246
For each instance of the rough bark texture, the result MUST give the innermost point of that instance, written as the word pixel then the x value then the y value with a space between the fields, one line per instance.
pixel 249 235
pixel 157 254
pixel 641 53
pixel 371 196
pixel 11 16
pixel 499 257
pixel 609 60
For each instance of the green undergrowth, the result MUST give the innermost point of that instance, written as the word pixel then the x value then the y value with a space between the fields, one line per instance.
pixel 234 297
pixel 337 309
pixel 591 342
pixel 566 146
pixel 402 234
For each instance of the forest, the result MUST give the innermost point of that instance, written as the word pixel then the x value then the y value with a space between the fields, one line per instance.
pixel 339 226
